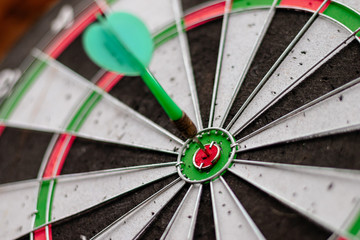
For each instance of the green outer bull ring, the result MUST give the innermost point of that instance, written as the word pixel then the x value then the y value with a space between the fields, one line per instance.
pixel 184 148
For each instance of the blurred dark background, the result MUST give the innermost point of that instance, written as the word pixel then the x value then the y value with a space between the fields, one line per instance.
pixel 16 16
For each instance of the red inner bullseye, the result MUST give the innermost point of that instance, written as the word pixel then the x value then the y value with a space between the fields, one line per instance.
pixel 202 161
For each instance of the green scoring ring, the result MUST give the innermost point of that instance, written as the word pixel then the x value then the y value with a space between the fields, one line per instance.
pixel 185 166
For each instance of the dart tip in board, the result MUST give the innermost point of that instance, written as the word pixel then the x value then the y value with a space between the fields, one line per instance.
pixel 201 146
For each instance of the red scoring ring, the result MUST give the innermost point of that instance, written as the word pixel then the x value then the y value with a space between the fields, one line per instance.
pixel 201 161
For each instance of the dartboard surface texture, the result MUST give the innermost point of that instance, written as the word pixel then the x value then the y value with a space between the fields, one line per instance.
pixel 273 88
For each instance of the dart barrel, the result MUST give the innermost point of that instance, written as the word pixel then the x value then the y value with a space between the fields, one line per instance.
pixel 186 126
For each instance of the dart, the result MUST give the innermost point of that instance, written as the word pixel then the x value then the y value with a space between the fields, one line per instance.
pixel 121 42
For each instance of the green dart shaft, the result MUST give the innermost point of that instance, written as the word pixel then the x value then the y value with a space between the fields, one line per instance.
pixel 169 106
pixel 119 50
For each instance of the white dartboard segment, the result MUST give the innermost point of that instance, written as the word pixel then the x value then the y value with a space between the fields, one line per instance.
pixel 114 121
pixel 324 195
pixel 321 38
pixel 17 208
pixel 231 219
pixel 132 223
pixel 243 31
pixel 185 216
pixel 51 99
pixel 109 121
pixel 337 112
pixel 77 192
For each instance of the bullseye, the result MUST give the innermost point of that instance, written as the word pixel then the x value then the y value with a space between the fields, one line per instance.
pixel 202 161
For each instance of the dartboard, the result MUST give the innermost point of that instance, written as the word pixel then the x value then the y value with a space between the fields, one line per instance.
pixel 272 86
